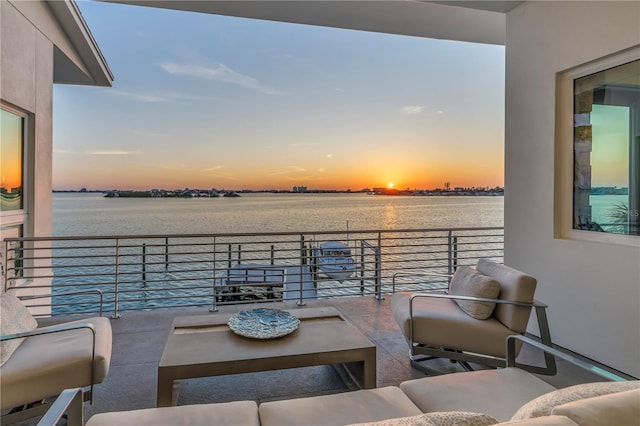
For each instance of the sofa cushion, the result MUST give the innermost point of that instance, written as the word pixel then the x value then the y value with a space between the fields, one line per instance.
pixel 498 393
pixel 467 281
pixel 620 408
pixel 442 323
pixel 45 365
pixel 361 406
pixel 541 421
pixel 544 404
pixel 514 285
pixel 14 318
pixel 443 418
pixel 237 413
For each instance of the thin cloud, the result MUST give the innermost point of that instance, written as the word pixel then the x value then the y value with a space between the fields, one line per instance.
pixel 412 109
pixel 138 97
pixel 162 96
pixel 114 152
pixel 219 72
pixel 289 170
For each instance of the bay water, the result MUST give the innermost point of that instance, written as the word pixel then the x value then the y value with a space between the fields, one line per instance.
pixel 88 214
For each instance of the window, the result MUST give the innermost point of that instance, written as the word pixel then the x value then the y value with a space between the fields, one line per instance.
pixel 606 150
pixel 11 163
pixel 12 181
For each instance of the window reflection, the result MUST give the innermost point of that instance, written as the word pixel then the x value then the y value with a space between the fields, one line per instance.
pixel 11 135
pixel 607 151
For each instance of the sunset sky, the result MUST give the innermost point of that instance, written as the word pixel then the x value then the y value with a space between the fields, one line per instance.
pixel 206 101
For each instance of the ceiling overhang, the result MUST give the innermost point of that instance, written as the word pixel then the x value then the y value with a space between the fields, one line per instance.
pixel 79 60
pixel 469 21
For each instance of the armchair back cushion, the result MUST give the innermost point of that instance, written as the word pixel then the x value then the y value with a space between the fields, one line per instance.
pixel 514 285
pixel 468 282
pixel 14 318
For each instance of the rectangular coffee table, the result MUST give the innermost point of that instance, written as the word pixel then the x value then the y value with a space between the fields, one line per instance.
pixel 203 346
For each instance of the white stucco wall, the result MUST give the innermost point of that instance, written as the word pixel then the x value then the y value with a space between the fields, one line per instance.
pixel 592 289
pixel 26 82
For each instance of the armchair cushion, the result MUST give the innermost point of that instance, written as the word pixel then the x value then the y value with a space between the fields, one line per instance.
pixel 441 323
pixel 46 364
pixel 514 285
pixel 14 318
pixel 544 404
pixel 468 282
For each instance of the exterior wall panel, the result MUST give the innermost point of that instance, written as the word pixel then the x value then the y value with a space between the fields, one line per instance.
pixel 593 289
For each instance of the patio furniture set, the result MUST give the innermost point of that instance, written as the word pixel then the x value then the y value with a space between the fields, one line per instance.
pixel 485 307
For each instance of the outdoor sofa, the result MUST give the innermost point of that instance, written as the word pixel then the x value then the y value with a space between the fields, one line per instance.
pixel 507 396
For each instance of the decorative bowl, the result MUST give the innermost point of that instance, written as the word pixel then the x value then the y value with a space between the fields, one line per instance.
pixel 263 323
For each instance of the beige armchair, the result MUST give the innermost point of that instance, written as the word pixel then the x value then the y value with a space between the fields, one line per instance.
pixel 472 320
pixel 38 363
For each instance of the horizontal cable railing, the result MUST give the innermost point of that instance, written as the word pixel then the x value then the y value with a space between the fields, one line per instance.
pixel 60 275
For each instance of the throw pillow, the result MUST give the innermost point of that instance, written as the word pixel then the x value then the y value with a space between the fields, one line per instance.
pixel 467 281
pixel 620 408
pixel 441 418
pixel 544 404
pixel 418 420
pixel 460 418
pixel 14 318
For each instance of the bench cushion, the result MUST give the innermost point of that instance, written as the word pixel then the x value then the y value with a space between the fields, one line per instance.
pixel 361 406
pixel 499 393
pixel 45 365
pixel 442 323
pixel 237 413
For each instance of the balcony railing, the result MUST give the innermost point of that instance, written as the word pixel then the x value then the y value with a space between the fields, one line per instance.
pixel 64 275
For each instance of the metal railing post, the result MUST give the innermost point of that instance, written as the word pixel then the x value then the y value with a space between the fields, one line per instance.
pixel 144 264
pixel 455 253
pixel 361 267
pixel 300 301
pixel 378 253
pixel 214 302
pixel 166 254
pixel 116 314
pixel 449 255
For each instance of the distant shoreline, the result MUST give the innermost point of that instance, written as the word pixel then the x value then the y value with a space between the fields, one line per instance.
pixel 212 193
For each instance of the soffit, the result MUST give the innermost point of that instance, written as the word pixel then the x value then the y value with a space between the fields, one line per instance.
pixel 82 62
pixel 491 6
pixel 478 22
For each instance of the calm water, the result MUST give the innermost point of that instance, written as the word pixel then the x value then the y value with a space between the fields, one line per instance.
pixel 92 214
pixel 76 214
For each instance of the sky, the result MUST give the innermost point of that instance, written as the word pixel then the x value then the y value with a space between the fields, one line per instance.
pixel 206 101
